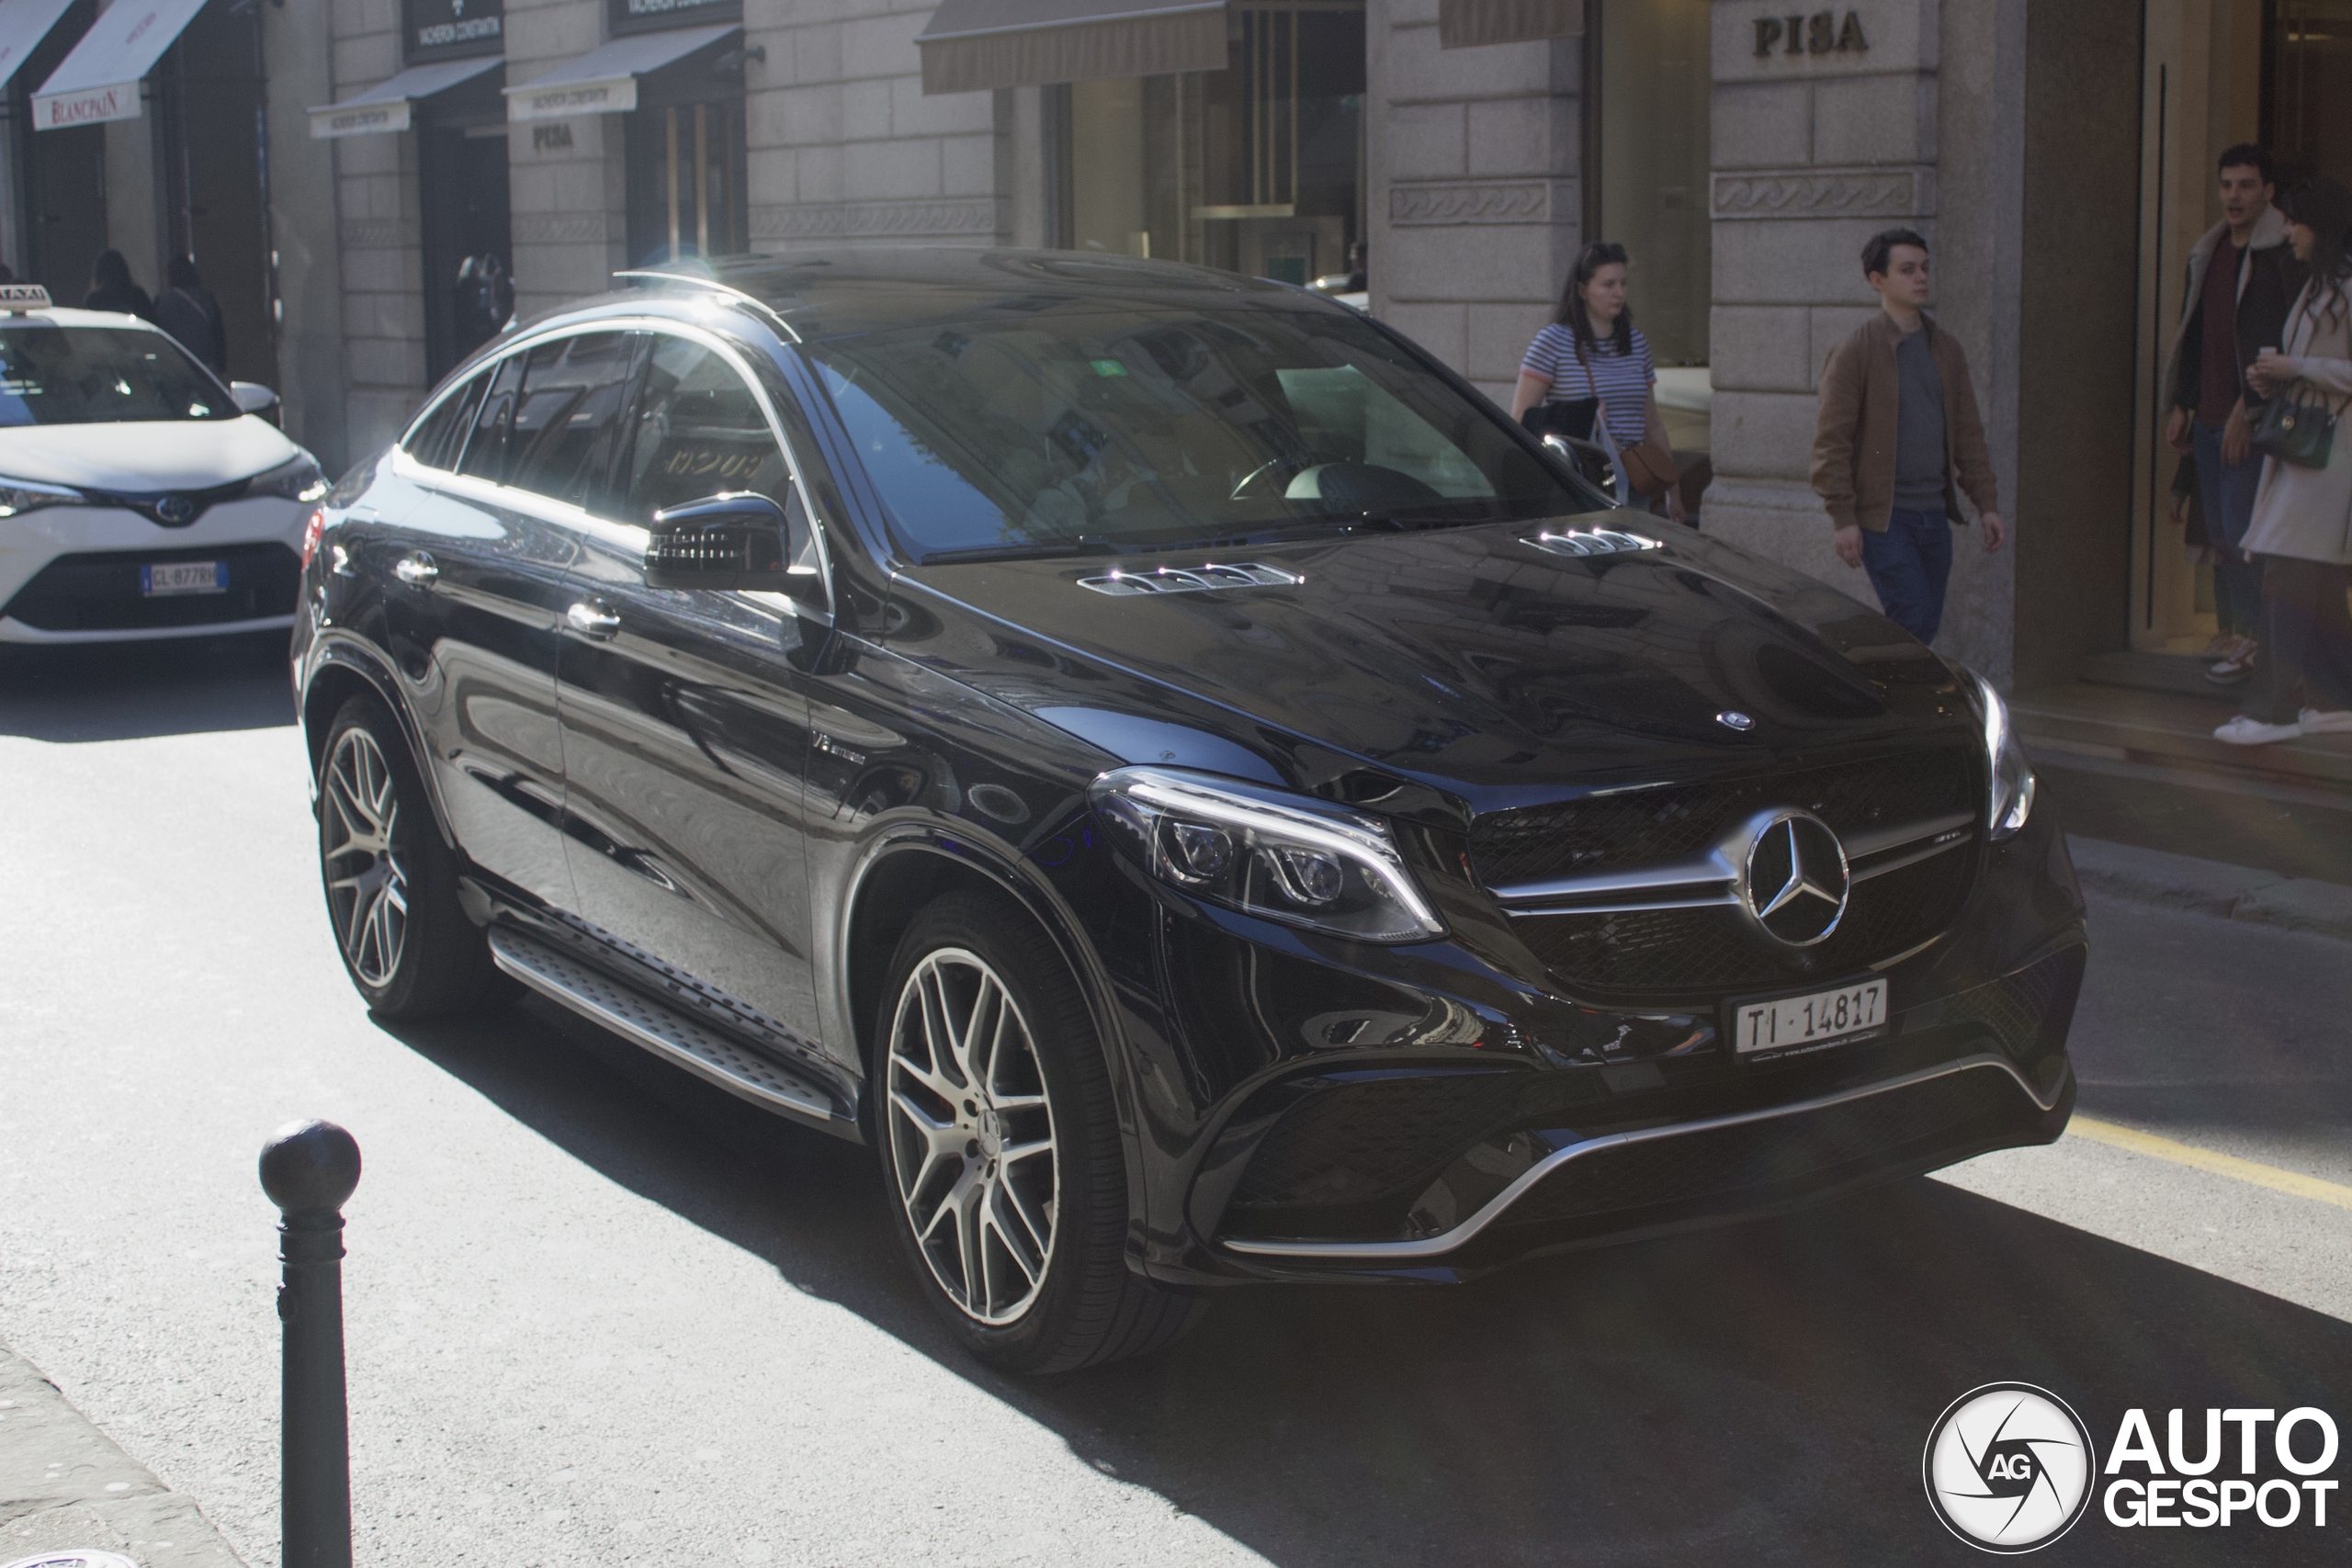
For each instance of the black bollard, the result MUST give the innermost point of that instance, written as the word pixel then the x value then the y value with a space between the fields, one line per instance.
pixel 309 1169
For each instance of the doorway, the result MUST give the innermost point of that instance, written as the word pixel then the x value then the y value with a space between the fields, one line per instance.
pixel 462 178
pixel 211 130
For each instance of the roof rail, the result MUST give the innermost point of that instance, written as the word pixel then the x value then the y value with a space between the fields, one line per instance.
pixel 710 285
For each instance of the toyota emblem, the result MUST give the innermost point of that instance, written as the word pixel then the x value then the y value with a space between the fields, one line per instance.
pixel 175 510
pixel 1732 718
pixel 1793 880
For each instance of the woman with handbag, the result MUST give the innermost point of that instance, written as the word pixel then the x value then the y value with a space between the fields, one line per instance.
pixel 2301 529
pixel 1592 351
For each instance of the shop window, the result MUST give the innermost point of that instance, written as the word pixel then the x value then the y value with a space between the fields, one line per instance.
pixel 2308 56
pixel 1648 82
pixel 1256 168
pixel 686 187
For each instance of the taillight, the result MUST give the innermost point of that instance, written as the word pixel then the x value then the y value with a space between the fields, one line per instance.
pixel 313 527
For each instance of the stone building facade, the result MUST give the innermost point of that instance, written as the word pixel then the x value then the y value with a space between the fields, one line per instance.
pixel 2057 155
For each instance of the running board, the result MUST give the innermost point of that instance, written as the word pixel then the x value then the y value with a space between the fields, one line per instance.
pixel 644 1022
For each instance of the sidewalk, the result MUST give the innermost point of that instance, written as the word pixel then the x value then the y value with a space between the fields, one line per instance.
pixel 2214 888
pixel 63 1484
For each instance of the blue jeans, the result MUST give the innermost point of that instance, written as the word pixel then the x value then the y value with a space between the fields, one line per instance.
pixel 1909 565
pixel 2227 496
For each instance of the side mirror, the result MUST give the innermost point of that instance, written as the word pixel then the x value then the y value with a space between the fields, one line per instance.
pixel 740 540
pixel 253 396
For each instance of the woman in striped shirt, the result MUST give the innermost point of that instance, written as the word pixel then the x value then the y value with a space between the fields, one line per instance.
pixel 1591 349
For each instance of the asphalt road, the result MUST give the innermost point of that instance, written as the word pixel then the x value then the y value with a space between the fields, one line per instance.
pixel 599 1314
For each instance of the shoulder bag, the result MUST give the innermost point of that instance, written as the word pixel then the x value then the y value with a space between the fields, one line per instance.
pixel 1648 463
pixel 2294 429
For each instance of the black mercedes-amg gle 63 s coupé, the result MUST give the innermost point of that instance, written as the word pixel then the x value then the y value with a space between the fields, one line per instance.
pixel 1174 768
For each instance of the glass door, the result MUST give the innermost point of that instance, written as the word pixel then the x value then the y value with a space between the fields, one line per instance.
pixel 686 189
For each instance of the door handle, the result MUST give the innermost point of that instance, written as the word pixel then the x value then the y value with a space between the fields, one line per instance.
pixel 416 569
pixel 592 620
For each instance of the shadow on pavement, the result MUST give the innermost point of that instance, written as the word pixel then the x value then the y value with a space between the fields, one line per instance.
pixel 1754 1395
pixel 133 691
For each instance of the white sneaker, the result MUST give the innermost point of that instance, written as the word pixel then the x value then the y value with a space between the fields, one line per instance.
pixel 2335 721
pixel 2245 731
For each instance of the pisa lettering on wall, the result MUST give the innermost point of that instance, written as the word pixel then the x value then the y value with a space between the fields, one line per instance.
pixel 1823 32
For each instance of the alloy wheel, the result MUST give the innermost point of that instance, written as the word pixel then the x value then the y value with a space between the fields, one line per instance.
pixel 367 886
pixel 971 1135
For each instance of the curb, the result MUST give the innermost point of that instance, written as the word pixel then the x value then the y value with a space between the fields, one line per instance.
pixel 2214 888
pixel 63 1483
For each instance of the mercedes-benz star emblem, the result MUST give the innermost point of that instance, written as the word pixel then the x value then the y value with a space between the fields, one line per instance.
pixel 1732 718
pixel 1795 879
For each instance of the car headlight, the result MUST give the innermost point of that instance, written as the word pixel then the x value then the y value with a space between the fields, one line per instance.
pixel 2012 796
pixel 300 479
pixel 1280 856
pixel 18 496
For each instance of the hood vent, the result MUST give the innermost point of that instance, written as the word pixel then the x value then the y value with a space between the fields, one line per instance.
pixel 1593 542
pixel 1191 580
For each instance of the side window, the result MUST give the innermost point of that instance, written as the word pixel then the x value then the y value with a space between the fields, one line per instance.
pixel 698 431
pixel 485 456
pixel 439 435
pixel 569 416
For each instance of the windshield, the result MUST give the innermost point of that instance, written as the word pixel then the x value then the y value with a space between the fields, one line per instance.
pixel 59 375
pixel 1086 428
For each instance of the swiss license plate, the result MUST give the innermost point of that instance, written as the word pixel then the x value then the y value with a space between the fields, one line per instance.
pixel 184 576
pixel 1809 1021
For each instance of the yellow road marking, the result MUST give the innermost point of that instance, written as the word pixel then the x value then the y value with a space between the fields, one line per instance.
pixel 2189 1155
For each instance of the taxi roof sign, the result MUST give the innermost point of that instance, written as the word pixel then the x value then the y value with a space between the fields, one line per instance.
pixel 17 297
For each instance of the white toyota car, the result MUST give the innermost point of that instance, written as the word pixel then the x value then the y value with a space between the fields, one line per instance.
pixel 140 496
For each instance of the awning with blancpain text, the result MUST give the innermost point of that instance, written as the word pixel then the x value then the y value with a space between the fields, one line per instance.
pixel 973 46
pixel 99 81
pixel 385 107
pixel 23 24
pixel 604 81
pixel 1466 24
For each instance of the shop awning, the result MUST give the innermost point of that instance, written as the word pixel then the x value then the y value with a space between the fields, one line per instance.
pixel 99 81
pixel 973 46
pixel 604 81
pixel 1465 24
pixel 385 106
pixel 23 24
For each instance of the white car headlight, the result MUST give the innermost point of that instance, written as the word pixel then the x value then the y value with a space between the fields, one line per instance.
pixel 300 479
pixel 2012 775
pixel 1266 852
pixel 18 496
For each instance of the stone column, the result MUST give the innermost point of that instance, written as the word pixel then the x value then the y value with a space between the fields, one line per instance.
pixel 377 232
pixel 568 179
pixel 844 146
pixel 1475 210
pixel 1815 148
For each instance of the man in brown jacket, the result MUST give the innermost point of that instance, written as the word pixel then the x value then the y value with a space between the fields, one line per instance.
pixel 1899 437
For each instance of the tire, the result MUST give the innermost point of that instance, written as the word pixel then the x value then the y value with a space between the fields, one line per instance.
pixel 991 1135
pixel 390 883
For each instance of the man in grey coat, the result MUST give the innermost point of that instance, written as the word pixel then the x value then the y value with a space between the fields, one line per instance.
pixel 2242 278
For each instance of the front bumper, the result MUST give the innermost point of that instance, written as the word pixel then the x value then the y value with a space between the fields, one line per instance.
pixel 70 574
pixel 1438 1161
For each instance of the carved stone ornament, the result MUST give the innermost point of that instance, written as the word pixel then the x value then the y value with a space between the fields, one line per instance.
pixel 1517 202
pixel 1826 193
